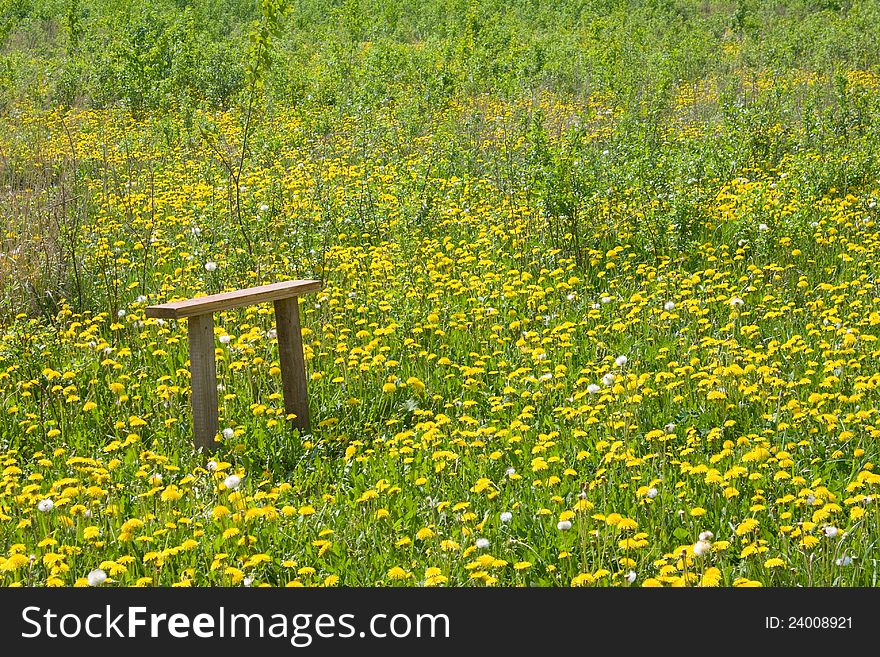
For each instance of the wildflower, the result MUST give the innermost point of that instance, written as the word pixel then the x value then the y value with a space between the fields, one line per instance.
pixel 398 573
pixel 830 531
pixel 482 543
pixel 606 299
pixel 510 471
pixel 97 577
pixel 630 577
pixel 263 207
pixel 620 361
pixel 228 434
pixel 563 525
pixel 763 227
pixel 652 493
pixel 593 388
pixel 45 505
pixel 212 466
pixel 210 266
pixel 155 479
pixel 232 482
pixel 736 302
pixel 702 547
pixel 669 306
pixel 506 516
pixel 844 561
pixel 706 536
pixel 669 428
pixel 225 339
pixel 608 379
pixel 434 576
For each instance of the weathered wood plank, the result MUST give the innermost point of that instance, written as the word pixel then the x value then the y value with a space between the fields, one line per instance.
pixel 200 332
pixel 227 300
pixel 293 365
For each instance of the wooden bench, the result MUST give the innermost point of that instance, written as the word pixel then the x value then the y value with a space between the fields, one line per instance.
pixel 199 313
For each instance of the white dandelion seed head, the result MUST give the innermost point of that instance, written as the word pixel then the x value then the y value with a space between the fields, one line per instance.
pixel 97 577
pixel 593 388
pixel 706 536
pixel 510 471
pixel 45 505
pixel 608 379
pixel 120 313
pixel 669 427
pixel 845 560
pixel 763 227
pixel 563 525
pixel 669 306
pixel 248 581
pixel 736 302
pixel 605 299
pixel 482 543
pixel 506 516
pixel 263 207
pixel 620 361
pixel 571 297
pixel 232 482
pixel 212 466
pixel 702 547
pixel 225 339
pixel 830 531
pixel 229 434
pixel 630 576
pixel 141 299
pixel 652 492
pixel 210 266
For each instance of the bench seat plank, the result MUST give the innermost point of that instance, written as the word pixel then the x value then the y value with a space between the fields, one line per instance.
pixel 227 300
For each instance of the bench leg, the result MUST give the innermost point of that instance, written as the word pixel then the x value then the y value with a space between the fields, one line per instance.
pixel 293 365
pixel 200 331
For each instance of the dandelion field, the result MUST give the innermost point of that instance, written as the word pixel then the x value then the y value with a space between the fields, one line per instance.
pixel 600 303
